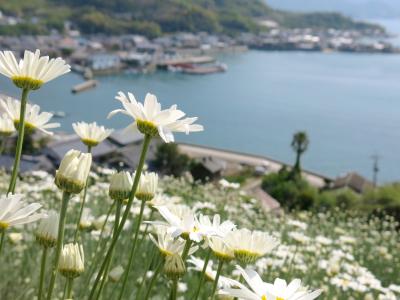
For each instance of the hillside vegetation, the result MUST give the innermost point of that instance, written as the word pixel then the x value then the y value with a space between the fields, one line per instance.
pixel 154 17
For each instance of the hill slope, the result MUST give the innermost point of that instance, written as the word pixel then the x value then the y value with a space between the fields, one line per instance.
pixel 153 17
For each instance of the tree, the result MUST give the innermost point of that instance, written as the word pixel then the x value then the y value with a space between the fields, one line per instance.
pixel 169 161
pixel 299 144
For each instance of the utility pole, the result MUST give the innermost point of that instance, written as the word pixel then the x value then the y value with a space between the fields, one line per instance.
pixel 375 168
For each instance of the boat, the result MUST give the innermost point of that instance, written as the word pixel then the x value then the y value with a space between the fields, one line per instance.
pixel 58 114
pixel 89 84
pixel 203 70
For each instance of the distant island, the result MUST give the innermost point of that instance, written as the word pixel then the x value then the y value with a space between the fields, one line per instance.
pixel 154 18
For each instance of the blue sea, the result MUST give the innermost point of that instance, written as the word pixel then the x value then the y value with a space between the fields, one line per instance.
pixel 348 103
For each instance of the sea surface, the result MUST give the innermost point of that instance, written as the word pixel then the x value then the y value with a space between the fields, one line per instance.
pixel 348 103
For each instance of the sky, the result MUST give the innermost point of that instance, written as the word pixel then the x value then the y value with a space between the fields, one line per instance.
pixel 360 9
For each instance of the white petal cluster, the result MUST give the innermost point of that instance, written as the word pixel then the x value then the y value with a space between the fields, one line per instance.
pixel 220 229
pixel 120 186
pixel 34 119
pixel 73 171
pixel 7 127
pixel 147 186
pixel 151 120
pixel 169 245
pixel 248 245
pixel 262 290
pixel 14 211
pixel 91 134
pixel 47 231
pixel 72 261
pixel 33 70
pixel 181 221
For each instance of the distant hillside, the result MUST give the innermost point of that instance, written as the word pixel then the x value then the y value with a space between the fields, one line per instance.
pixel 354 8
pixel 154 17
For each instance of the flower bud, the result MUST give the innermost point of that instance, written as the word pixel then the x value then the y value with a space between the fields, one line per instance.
pixel 47 232
pixel 147 186
pixel 116 273
pixel 174 267
pixel 72 261
pixel 73 171
pixel 120 186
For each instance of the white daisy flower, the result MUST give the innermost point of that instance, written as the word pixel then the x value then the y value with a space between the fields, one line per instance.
pixel 120 186
pixel 34 119
pixel 248 245
pixel 147 186
pixel 31 71
pixel 72 261
pixel 91 134
pixel 14 211
pixel 167 244
pixel 182 223
pixel 47 231
pixel 7 127
pixel 74 169
pixel 151 120
pixel 260 290
pixel 220 229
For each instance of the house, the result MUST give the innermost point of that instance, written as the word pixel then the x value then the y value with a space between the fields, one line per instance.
pixel 208 168
pixel 352 181
pixel 104 62
pixel 28 163
pixel 56 150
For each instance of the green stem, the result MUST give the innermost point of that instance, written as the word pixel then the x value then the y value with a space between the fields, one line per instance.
pixel 145 230
pixel 20 141
pixel 116 223
pixel 146 144
pixel 202 275
pixel 153 255
pixel 42 271
pixel 60 239
pixel 3 234
pixel 152 281
pixel 70 282
pixel 95 257
pixel 174 289
pixel 185 251
pixel 78 222
pixel 2 144
pixel 220 264
pixel 133 250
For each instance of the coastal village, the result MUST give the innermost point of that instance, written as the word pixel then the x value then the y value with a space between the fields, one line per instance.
pixel 189 53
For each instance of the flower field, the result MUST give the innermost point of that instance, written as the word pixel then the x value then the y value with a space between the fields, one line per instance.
pixel 95 233
pixel 348 257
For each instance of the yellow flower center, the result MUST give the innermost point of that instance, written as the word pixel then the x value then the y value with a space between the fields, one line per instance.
pixel 147 127
pixel 4 225
pixel 246 256
pixel 29 127
pixel 90 142
pixel 25 82
pixel 264 297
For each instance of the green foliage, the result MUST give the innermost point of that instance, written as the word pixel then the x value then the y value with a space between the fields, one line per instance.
pixel 385 199
pixel 169 161
pixel 324 20
pixel 291 191
pixel 153 17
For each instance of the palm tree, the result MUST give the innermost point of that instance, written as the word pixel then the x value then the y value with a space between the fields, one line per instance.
pixel 299 144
